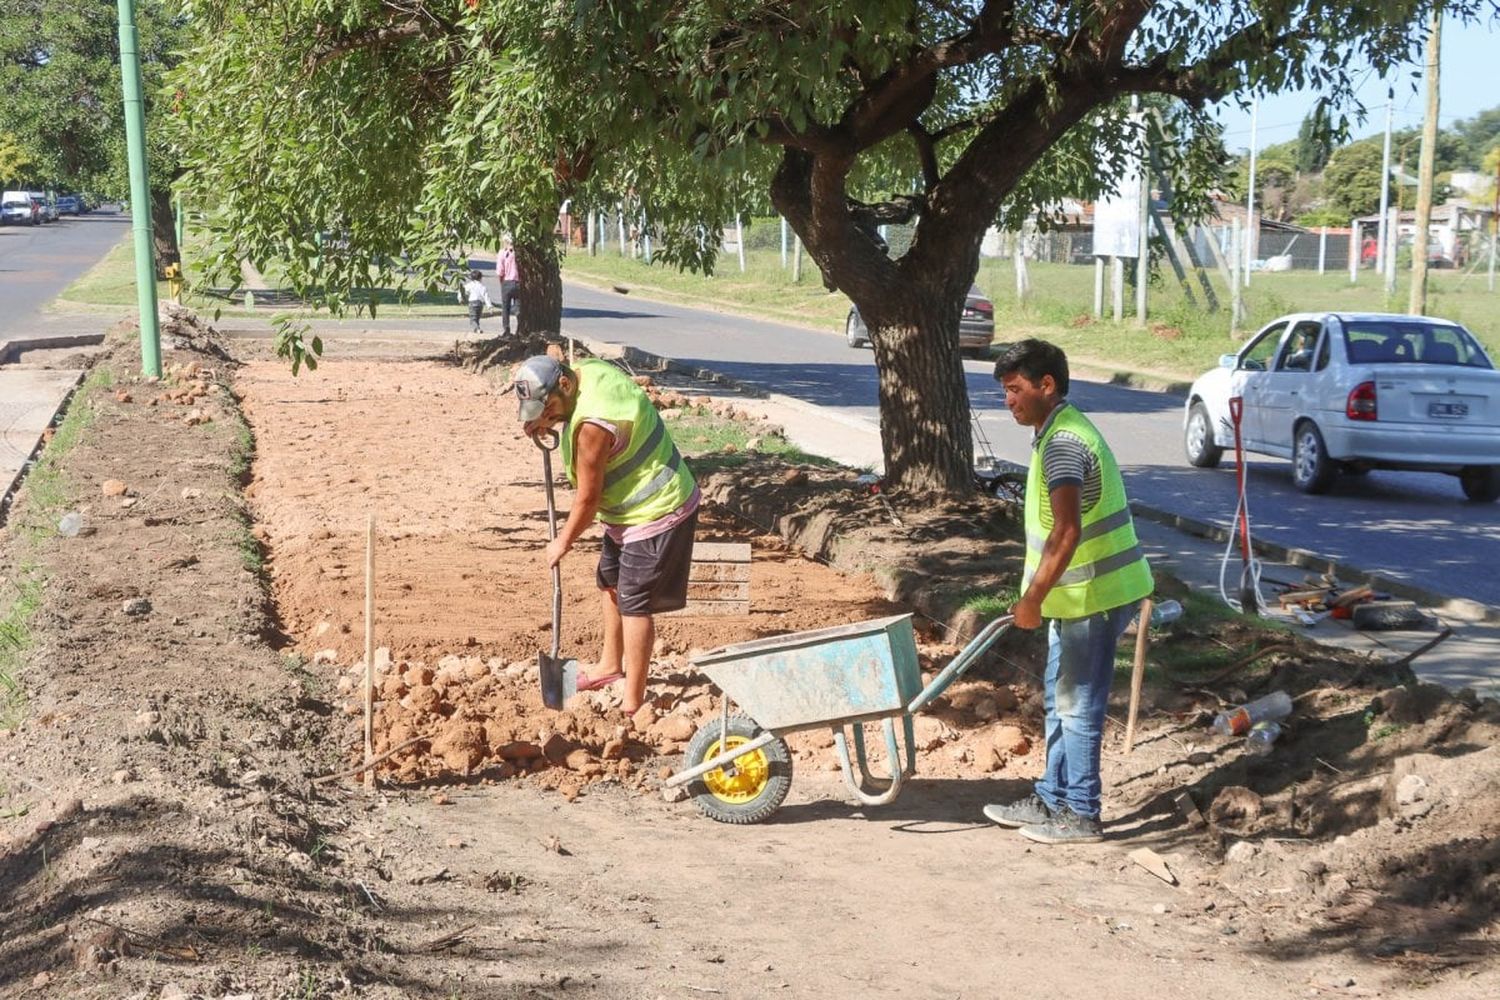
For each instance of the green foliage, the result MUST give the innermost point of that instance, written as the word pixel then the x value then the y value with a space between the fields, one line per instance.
pixel 1352 179
pixel 14 160
pixel 1314 144
pixel 60 73
pixel 1319 217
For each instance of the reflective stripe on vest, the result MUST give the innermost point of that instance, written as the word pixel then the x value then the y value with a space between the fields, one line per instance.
pixel 1108 569
pixel 645 480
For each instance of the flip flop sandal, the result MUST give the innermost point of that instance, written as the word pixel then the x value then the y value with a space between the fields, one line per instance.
pixel 594 683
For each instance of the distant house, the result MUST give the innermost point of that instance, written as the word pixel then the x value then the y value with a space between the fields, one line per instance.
pixel 1455 225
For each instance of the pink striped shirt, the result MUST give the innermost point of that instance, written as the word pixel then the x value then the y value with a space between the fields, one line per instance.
pixel 505 266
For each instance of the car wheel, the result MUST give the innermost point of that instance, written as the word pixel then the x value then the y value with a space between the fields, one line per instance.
pixel 851 331
pixel 1198 439
pixel 1481 483
pixel 1312 469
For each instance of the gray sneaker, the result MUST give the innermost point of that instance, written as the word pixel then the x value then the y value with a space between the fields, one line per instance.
pixel 1065 827
pixel 1022 812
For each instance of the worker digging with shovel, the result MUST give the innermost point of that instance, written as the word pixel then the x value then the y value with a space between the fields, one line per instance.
pixel 628 474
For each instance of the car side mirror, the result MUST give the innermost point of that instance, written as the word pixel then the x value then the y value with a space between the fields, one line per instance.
pixel 1228 361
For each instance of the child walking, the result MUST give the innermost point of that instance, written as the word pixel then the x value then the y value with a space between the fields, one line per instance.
pixel 478 297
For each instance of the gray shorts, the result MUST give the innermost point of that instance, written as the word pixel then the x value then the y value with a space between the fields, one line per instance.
pixel 650 576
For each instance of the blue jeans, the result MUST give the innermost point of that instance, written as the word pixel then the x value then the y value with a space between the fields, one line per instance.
pixel 1080 667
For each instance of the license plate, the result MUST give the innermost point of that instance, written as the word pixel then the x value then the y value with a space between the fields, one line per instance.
pixel 1447 409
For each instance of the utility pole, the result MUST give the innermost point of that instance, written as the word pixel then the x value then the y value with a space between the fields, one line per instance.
pixel 1251 229
pixel 1418 302
pixel 1494 224
pixel 1385 182
pixel 140 191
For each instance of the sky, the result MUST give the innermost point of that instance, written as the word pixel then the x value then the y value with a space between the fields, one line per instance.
pixel 1470 83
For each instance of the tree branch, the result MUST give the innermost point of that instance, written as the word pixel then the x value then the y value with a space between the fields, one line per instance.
pixel 371 38
pixel 927 153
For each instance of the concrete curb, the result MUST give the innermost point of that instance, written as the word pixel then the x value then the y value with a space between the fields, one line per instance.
pixel 13 348
pixel 8 496
pixel 1458 608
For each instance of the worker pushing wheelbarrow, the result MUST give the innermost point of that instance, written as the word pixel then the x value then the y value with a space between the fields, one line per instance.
pixel 738 767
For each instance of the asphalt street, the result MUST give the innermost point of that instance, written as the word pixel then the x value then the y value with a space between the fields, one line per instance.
pixel 38 262
pixel 1407 526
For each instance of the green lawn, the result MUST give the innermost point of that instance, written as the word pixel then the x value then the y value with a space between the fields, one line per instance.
pixel 1180 341
pixel 111 282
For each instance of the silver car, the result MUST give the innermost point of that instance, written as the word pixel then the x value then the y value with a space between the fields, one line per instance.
pixel 1351 392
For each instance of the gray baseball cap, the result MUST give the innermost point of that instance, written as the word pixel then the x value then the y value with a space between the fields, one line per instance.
pixel 534 379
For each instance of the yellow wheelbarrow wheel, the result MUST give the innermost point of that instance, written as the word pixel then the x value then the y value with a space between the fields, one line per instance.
pixel 746 790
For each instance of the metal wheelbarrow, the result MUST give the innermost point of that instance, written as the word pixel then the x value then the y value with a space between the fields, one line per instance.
pixel 738 767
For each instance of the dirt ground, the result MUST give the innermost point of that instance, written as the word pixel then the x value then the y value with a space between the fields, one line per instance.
pixel 193 666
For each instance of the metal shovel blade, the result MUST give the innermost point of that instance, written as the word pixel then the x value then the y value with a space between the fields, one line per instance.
pixel 559 679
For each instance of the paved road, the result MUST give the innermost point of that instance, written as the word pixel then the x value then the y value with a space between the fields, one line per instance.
pixel 38 262
pixel 1409 527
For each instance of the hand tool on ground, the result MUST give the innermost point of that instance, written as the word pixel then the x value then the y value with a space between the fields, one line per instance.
pixel 559 676
pixel 1249 594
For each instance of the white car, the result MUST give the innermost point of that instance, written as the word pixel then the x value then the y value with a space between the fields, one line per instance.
pixel 1351 392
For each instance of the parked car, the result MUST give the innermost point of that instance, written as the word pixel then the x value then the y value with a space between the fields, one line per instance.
pixel 68 205
pixel 976 325
pixel 1351 392
pixel 17 209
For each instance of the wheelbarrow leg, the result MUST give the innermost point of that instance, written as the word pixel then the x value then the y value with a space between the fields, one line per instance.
pixel 909 730
pixel 861 758
pixel 898 774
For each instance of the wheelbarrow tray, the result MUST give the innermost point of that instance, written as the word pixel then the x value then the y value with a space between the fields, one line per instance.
pixel 804 679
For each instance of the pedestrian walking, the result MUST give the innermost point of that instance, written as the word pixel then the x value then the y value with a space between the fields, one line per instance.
pixel 1084 574
pixel 478 297
pixel 620 458
pixel 509 276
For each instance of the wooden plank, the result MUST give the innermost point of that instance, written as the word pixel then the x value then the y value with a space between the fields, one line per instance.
pixel 710 571
pixel 721 552
pixel 717 591
pixel 710 609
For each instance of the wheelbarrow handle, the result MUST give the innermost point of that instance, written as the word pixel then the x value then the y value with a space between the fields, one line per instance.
pixel 962 662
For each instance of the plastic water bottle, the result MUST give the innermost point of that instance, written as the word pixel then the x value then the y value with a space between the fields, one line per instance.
pixel 1262 738
pixel 70 524
pixel 1238 721
pixel 1165 613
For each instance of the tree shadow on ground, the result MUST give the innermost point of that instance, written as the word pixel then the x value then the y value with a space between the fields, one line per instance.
pixel 176 899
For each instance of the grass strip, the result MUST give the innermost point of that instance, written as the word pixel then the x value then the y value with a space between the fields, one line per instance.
pixel 43 500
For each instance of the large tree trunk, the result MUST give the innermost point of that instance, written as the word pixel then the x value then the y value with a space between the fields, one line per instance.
pixel 164 232
pixel 925 433
pixel 912 310
pixel 541 286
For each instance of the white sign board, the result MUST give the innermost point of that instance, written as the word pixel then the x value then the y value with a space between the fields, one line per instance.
pixel 1117 216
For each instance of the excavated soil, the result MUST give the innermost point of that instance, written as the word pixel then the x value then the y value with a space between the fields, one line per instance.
pixel 193 663
pixel 434 455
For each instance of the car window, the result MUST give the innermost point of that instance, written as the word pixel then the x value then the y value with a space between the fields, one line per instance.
pixel 1415 342
pixel 1297 350
pixel 1256 356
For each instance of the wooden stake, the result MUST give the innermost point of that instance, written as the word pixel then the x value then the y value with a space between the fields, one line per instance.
pixel 369 650
pixel 1137 672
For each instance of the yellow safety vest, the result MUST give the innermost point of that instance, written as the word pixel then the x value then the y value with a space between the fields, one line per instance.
pixel 647 479
pixel 1108 569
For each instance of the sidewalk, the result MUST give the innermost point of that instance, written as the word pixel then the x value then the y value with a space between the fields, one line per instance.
pixel 1469 658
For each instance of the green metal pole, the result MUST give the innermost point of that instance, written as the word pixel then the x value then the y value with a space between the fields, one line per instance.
pixel 140 190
